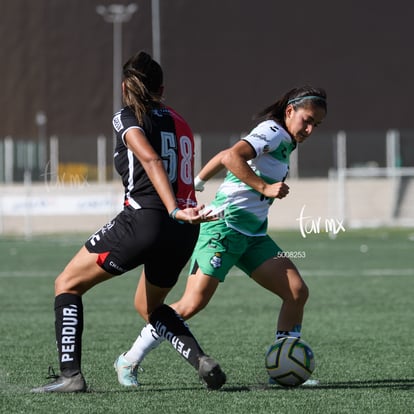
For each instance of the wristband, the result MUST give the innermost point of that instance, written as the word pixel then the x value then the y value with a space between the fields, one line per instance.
pixel 174 213
pixel 199 184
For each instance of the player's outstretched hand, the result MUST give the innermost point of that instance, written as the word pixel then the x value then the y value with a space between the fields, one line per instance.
pixel 195 215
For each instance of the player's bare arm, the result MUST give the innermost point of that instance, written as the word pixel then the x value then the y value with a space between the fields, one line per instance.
pixel 153 165
pixel 235 160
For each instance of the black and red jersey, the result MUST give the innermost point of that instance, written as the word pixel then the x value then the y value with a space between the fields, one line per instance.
pixel 172 138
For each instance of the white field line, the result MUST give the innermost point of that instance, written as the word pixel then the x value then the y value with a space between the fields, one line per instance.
pixel 236 272
pixel 28 274
pixel 346 273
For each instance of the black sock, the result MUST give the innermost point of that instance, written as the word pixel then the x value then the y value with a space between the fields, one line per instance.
pixel 172 327
pixel 68 328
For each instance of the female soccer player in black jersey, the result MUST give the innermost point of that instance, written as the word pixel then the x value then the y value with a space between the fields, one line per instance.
pixel 158 228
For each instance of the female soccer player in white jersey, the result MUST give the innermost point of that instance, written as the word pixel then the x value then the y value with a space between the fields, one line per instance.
pixel 157 228
pixel 257 167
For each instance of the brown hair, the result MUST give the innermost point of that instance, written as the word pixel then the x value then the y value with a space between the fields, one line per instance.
pixel 143 79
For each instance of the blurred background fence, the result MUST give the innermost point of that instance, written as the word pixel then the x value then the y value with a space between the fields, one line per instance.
pixel 223 62
pixel 73 158
pixel 359 180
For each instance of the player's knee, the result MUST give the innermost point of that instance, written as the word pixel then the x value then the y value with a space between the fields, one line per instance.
pixel 297 294
pixel 69 282
pixel 62 283
pixel 188 309
pixel 301 293
pixel 196 307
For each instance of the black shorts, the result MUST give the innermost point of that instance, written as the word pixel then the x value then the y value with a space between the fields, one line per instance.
pixel 144 237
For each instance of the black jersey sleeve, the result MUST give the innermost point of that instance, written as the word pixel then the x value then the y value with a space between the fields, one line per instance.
pixel 123 121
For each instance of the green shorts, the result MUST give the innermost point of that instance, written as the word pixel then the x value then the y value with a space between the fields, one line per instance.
pixel 219 248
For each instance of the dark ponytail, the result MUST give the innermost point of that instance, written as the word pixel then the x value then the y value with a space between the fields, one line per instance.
pixel 298 97
pixel 143 79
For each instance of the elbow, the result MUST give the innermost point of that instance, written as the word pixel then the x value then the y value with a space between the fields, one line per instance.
pixel 151 162
pixel 226 158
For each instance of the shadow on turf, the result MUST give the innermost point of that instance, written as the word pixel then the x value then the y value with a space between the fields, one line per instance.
pixel 400 384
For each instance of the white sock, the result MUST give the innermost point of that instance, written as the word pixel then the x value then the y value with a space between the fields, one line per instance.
pixel 295 332
pixel 284 334
pixel 147 340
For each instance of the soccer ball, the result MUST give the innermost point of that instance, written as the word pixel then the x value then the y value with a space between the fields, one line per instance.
pixel 290 361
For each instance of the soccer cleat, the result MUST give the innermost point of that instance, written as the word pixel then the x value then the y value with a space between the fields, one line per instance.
pixel 210 373
pixel 61 383
pixel 127 372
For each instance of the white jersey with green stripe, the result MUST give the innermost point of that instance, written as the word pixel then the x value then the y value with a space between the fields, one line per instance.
pixel 246 210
